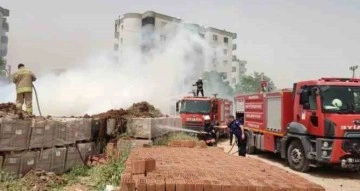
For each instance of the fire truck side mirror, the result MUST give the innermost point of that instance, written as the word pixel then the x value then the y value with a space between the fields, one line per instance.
pixel 177 106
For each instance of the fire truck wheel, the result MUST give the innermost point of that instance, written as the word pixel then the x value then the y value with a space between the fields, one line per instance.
pixel 296 157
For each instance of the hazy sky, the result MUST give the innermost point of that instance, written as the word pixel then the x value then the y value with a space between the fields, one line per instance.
pixel 288 40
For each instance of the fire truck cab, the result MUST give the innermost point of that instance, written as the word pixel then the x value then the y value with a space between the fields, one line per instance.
pixel 315 123
pixel 192 110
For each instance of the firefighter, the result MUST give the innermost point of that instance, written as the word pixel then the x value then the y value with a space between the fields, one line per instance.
pixel 23 79
pixel 208 127
pixel 238 130
pixel 199 85
pixel 240 120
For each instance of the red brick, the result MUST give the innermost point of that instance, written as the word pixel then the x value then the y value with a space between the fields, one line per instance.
pixel 189 185
pixel 170 185
pixel 138 166
pixel 150 185
pixel 160 185
pixel 180 185
pixel 150 165
pixel 199 186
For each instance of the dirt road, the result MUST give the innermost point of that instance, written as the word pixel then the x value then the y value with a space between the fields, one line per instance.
pixel 331 179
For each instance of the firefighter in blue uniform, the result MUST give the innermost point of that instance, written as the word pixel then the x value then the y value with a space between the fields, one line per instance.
pixel 236 127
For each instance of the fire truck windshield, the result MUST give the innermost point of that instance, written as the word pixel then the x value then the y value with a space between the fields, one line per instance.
pixel 340 99
pixel 195 106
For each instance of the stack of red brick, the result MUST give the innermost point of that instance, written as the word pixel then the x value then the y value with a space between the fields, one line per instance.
pixel 196 169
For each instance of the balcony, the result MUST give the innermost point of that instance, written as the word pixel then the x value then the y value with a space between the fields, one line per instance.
pixel 116 35
pixel 116 47
pixel 5 26
pixel 234 58
pixel 3 53
pixel 234 47
pixel 4 12
pixel 4 39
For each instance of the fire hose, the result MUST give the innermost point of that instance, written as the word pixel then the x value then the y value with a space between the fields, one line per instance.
pixel 233 146
pixel 37 100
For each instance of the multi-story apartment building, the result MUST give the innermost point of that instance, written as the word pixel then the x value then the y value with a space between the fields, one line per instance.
pixel 142 32
pixel 4 28
pixel 237 71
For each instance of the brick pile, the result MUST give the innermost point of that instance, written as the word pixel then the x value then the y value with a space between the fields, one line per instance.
pixel 197 169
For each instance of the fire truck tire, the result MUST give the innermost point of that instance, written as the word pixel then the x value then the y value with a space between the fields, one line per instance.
pixel 249 149
pixel 296 157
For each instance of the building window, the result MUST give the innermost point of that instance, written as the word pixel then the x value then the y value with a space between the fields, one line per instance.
pixel 121 41
pixel 233 69
pixel 116 46
pixel 225 51
pixel 202 35
pixel 226 40
pixel 122 27
pixel 148 21
pixel 233 80
pixel 215 37
pixel 225 62
pixel 224 75
pixel 4 39
pixel 162 38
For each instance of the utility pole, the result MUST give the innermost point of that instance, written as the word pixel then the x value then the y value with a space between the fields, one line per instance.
pixel 353 68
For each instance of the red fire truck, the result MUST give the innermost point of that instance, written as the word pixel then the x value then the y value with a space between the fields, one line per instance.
pixel 192 110
pixel 315 123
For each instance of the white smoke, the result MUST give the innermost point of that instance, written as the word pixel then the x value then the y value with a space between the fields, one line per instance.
pixel 100 84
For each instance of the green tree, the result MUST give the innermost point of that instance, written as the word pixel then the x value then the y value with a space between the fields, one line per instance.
pixel 2 67
pixel 252 83
pixel 214 83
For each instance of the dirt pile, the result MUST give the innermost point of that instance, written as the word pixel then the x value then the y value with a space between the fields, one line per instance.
pixel 41 181
pixel 9 110
pixel 141 109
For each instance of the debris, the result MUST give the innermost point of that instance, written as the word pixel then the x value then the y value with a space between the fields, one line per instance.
pixel 10 110
pixel 37 180
pixel 141 109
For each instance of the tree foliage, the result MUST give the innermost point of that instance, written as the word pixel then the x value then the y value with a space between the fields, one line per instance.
pixel 2 67
pixel 252 83
pixel 214 84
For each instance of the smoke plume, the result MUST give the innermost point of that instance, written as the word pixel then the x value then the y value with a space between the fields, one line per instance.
pixel 159 76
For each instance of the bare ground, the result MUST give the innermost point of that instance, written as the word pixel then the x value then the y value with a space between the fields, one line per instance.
pixel 332 179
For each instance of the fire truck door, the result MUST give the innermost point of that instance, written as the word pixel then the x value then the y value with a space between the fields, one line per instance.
pixel 309 112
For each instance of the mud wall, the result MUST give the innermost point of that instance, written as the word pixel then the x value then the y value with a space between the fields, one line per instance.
pixel 55 145
pixel 149 128
pixel 59 144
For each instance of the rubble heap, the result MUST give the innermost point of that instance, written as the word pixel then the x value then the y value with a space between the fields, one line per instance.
pixel 9 110
pixel 180 168
pixel 141 109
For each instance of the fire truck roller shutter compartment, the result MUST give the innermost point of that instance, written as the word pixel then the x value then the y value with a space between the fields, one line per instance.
pixel 273 114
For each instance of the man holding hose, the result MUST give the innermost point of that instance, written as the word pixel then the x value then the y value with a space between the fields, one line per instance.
pixel 23 79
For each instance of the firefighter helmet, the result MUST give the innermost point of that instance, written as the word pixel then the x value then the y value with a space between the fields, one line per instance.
pixel 207 118
pixel 337 102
